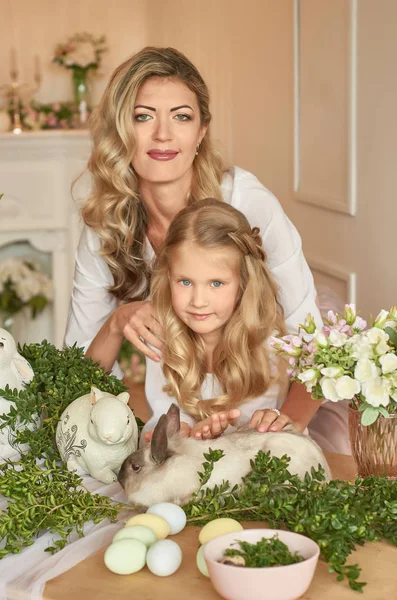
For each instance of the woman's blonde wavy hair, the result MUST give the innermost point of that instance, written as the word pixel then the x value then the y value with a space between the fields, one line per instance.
pixel 114 209
pixel 241 361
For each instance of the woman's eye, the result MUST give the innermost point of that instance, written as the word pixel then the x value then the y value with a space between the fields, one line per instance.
pixel 217 284
pixel 142 118
pixel 185 282
pixel 182 117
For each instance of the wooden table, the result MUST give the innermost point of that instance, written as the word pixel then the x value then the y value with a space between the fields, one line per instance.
pixel 91 580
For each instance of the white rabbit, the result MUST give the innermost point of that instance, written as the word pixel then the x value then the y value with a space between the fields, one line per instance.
pixel 166 470
pixel 95 433
pixel 16 372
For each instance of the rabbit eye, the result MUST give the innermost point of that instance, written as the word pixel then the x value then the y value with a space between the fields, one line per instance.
pixel 92 421
pixel 136 468
pixel 1 345
pixel 128 420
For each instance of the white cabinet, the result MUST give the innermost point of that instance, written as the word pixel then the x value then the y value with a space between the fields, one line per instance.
pixel 37 211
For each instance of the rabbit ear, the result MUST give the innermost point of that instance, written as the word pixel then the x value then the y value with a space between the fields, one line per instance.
pixel 159 443
pixel 124 397
pixel 23 367
pixel 173 420
pixel 95 395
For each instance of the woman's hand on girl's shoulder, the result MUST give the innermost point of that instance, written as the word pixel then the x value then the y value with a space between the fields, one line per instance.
pixel 269 420
pixel 137 323
pixel 214 425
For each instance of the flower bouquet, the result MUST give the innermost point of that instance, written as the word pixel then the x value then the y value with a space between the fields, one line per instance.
pixel 346 360
pixel 82 54
pixel 22 285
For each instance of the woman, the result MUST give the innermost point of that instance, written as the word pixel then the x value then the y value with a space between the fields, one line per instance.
pixel 152 155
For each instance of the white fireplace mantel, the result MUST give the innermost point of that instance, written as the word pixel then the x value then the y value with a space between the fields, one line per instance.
pixel 36 173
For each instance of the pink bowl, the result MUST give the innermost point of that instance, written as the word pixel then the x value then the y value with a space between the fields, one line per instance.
pixel 266 583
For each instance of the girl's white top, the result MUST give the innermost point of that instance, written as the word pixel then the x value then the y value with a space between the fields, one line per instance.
pixel 92 304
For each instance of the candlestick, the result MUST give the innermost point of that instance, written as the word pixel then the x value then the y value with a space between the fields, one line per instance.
pixel 13 64
pixel 37 70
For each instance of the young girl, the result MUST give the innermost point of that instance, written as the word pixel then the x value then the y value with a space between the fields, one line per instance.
pixel 216 301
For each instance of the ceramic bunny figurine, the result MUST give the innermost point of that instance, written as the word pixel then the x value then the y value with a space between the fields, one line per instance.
pixel 16 372
pixel 95 433
pixel 166 470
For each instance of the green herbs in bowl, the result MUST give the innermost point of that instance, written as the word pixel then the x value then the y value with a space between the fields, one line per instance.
pixel 268 552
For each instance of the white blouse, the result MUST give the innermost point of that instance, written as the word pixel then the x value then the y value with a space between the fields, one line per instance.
pixel 92 303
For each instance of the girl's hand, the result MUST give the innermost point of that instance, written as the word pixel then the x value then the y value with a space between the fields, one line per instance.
pixel 137 323
pixel 214 425
pixel 184 431
pixel 269 420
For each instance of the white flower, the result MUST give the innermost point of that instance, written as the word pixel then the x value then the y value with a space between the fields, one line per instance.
pixel 381 318
pixel 333 372
pixel 376 335
pixel 329 390
pixel 365 370
pixel 337 339
pixel 377 391
pixel 360 347
pixel 311 375
pixel 388 363
pixel 82 55
pixel 347 387
pixel 382 348
pixel 27 288
pixel 321 340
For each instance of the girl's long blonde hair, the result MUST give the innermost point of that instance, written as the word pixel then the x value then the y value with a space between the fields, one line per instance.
pixel 241 361
pixel 114 209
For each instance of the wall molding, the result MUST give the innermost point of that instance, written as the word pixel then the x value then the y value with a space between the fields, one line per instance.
pixel 334 271
pixel 321 198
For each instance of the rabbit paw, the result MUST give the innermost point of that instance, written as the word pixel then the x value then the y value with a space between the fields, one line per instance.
pixel 105 475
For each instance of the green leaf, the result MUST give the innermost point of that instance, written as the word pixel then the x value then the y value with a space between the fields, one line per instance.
pixel 369 416
pixel 392 335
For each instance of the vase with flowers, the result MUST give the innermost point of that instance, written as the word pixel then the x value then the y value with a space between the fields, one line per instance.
pixel 82 54
pixel 347 360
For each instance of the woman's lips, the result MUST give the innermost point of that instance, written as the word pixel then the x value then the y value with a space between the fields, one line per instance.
pixel 200 317
pixel 162 155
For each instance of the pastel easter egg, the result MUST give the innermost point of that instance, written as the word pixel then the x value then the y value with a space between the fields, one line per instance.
pixel 218 527
pixel 160 526
pixel 137 532
pixel 164 558
pixel 172 513
pixel 125 556
pixel 200 562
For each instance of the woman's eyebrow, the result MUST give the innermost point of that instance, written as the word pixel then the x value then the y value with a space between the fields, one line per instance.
pixel 182 106
pixel 171 109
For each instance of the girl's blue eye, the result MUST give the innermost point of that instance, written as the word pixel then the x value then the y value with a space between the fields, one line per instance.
pixel 185 282
pixel 142 118
pixel 181 117
pixel 217 284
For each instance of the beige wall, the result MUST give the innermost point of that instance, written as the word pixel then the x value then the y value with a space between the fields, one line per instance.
pixel 35 28
pixel 244 49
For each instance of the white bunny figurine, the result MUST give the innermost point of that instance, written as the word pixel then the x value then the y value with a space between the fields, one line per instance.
pixel 167 469
pixel 16 372
pixel 95 433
